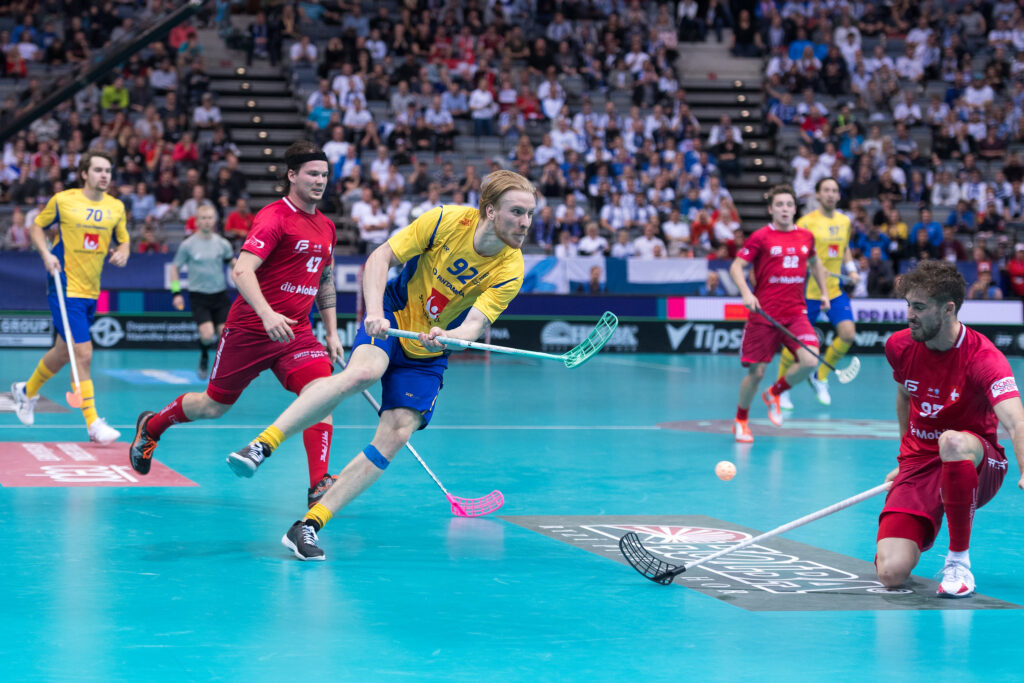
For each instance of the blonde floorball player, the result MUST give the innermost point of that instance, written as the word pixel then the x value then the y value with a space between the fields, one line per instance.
pixel 831 230
pixel 955 389
pixel 85 219
pixel 780 254
pixel 462 267
pixel 285 265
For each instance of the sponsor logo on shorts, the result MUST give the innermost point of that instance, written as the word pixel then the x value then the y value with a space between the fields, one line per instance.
pixel 435 304
pixel 91 241
pixel 1003 386
pixel 998 464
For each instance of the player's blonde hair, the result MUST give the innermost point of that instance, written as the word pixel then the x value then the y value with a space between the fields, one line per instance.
pixel 497 183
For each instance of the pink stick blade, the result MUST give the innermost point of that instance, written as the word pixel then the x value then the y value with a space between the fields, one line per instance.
pixel 74 399
pixel 476 507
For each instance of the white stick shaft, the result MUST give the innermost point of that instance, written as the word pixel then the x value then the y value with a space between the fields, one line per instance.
pixel 67 328
pixel 376 406
pixel 480 346
pixel 824 512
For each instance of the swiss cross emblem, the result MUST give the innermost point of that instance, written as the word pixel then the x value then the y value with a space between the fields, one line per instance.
pixel 954 395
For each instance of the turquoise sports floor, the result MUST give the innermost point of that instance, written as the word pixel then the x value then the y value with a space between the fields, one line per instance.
pixel 191 583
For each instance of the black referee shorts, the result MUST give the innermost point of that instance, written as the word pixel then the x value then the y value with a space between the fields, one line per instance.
pixel 210 307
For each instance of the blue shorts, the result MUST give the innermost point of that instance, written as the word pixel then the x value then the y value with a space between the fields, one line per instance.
pixel 81 313
pixel 408 382
pixel 838 311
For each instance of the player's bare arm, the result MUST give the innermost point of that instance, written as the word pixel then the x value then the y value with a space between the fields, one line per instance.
pixel 902 419
pixel 178 300
pixel 475 324
pixel 326 303
pixel 50 262
pixel 850 266
pixel 818 270
pixel 736 270
pixel 375 279
pixel 1011 416
pixel 119 254
pixel 278 327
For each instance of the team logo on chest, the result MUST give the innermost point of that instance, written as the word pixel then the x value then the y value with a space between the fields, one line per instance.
pixel 91 241
pixel 435 304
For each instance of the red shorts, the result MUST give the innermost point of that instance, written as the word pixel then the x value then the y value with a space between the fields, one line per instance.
pixel 761 339
pixel 916 488
pixel 243 354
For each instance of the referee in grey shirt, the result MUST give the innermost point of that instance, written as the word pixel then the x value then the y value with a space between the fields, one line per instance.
pixel 204 254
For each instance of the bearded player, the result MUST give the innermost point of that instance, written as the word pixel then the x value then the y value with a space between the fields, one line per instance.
pixel 955 389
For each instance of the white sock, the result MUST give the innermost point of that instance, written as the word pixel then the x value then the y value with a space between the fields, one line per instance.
pixel 963 557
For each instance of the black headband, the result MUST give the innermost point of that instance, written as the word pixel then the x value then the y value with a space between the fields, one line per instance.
pixel 295 161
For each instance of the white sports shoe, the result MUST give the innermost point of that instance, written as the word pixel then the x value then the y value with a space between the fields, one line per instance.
pixel 957 580
pixel 102 433
pixel 784 401
pixel 24 407
pixel 820 390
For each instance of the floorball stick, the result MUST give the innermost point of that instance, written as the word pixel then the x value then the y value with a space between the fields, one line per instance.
pixel 573 358
pixel 461 507
pixel 659 571
pixel 74 398
pixel 845 376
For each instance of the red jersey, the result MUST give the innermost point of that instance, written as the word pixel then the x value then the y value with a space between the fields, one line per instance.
pixel 295 247
pixel 780 268
pixel 952 389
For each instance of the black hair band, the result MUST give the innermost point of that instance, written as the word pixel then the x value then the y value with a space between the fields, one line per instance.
pixel 295 161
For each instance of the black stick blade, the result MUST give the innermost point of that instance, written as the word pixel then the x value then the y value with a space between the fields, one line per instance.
pixel 647 564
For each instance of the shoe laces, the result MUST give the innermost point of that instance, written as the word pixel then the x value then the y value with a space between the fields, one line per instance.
pixel 309 535
pixel 955 571
pixel 256 452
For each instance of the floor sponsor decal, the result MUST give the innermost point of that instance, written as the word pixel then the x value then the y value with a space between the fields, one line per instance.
pixel 26 463
pixel 777 575
pixel 156 376
pixel 43 405
pixel 840 429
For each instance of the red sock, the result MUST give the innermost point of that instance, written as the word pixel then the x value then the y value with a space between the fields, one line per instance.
pixel 742 413
pixel 172 414
pixel 317 440
pixel 959 482
pixel 780 386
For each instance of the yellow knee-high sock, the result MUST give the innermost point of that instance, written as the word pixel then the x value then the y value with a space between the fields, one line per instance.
pixel 88 401
pixel 272 436
pixel 320 514
pixel 40 376
pixel 835 351
pixel 786 360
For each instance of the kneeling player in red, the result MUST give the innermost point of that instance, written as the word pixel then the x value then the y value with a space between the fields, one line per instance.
pixel 286 263
pixel 955 388
pixel 780 254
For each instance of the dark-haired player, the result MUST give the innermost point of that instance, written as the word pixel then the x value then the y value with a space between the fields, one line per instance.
pixel 780 254
pixel 86 219
pixel 955 388
pixel 285 265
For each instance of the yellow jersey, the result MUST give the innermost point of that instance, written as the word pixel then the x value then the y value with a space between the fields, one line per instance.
pixel 831 240
pixel 84 231
pixel 444 276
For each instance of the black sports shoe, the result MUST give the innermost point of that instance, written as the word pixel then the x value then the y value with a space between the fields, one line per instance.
pixel 247 459
pixel 204 366
pixel 301 539
pixel 141 451
pixel 317 492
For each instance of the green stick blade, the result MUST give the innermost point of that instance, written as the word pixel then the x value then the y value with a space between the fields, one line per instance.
pixel 594 342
